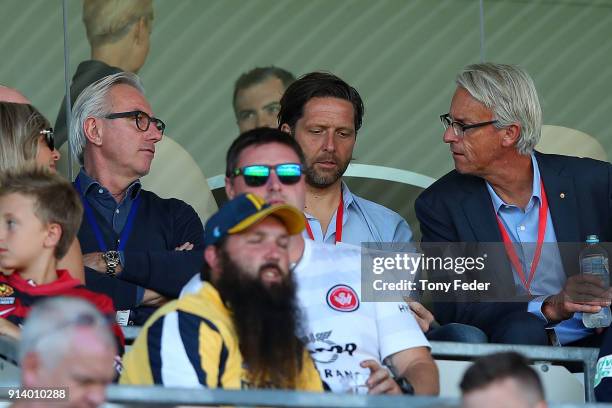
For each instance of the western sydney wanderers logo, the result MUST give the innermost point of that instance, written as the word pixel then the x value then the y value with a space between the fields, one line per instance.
pixel 342 298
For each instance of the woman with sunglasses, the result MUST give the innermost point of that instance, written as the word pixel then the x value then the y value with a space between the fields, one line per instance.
pixel 26 136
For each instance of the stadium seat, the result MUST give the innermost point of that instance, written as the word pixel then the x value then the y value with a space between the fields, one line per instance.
pixel 570 142
pixel 175 174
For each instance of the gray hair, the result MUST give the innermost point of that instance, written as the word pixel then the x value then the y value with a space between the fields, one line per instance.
pixel 93 102
pixel 509 92
pixel 49 328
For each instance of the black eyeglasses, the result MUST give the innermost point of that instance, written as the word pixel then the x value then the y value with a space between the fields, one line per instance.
pixel 258 174
pixel 143 120
pixel 460 128
pixel 49 138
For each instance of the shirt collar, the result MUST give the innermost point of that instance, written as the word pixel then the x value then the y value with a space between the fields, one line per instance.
pixel 86 183
pixel 347 196
pixel 536 193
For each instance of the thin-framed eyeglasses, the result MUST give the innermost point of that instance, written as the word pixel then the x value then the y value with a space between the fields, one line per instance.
pixel 257 175
pixel 143 120
pixel 460 128
pixel 49 137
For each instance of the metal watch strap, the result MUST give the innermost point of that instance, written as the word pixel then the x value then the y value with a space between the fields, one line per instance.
pixel 111 258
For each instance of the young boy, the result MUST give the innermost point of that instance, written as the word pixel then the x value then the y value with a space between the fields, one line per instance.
pixel 40 214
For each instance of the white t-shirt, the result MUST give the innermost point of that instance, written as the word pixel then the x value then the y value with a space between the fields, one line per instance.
pixel 342 331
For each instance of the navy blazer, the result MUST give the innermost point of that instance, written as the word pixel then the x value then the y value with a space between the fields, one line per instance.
pixel 151 261
pixel 458 208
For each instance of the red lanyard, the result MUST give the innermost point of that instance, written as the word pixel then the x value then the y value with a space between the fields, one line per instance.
pixel 542 217
pixel 339 216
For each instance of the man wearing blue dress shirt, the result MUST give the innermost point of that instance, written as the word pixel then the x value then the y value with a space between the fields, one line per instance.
pixel 323 113
pixel 503 191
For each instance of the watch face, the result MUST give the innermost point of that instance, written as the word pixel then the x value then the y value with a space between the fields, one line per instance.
pixel 111 257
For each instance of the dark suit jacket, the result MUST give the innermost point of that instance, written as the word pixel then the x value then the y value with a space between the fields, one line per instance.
pixel 458 208
pixel 151 261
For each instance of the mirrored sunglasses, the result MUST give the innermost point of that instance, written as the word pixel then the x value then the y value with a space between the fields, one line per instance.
pixel 257 175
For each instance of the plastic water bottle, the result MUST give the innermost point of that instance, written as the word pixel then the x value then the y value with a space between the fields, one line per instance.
pixel 594 261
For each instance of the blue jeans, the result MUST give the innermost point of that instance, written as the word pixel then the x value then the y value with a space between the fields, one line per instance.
pixel 461 333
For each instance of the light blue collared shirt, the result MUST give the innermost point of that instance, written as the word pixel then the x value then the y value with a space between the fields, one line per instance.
pixel 549 278
pixel 362 221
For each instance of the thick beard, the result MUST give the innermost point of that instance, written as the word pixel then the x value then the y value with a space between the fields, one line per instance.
pixel 319 180
pixel 266 321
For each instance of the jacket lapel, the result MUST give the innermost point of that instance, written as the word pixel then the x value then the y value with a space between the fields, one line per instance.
pixel 480 214
pixel 563 209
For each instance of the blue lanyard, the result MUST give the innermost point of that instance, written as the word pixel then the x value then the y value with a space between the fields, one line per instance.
pixel 91 219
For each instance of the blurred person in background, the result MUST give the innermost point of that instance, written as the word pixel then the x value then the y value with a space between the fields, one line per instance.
pixel 503 380
pixel 119 33
pixel 67 345
pixel 8 94
pixel 257 95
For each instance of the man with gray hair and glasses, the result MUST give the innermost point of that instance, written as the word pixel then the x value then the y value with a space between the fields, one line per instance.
pixel 67 352
pixel 137 246
pixel 503 191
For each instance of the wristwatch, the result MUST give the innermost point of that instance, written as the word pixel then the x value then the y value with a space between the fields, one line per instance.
pixel 112 261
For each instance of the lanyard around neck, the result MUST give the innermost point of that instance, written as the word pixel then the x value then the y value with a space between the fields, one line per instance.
pixel 91 220
pixel 514 259
pixel 339 217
